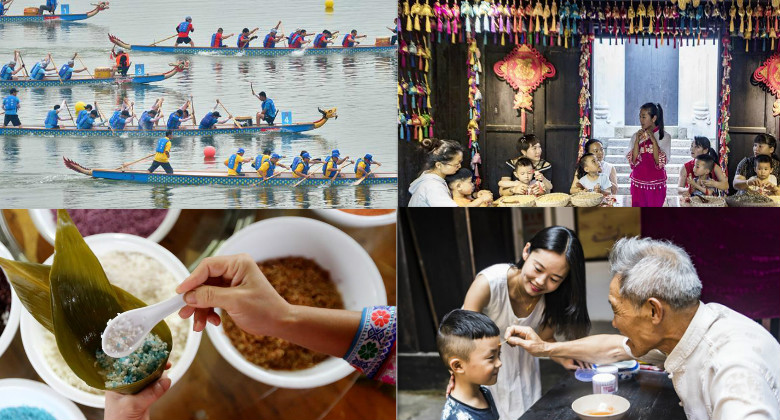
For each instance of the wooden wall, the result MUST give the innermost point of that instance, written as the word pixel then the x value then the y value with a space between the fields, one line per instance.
pixel 555 120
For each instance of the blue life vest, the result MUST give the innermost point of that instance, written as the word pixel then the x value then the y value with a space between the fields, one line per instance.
pixel 173 121
pixel 51 119
pixel 245 39
pixel 10 104
pixel 80 117
pixel 295 40
pixel 183 27
pixel 208 121
pixel 334 169
pixel 37 72
pixel 269 41
pixel 161 145
pixel 262 159
pixel 6 72
pixel 297 161
pixel 367 168
pixel 116 121
pixel 52 4
pixel 145 122
pixel 347 42
pixel 232 163
pixel 214 40
pixel 86 122
pixel 319 41
pixel 65 72
pixel 114 117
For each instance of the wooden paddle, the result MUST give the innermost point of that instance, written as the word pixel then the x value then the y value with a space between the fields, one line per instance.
pixel 23 66
pixel 152 45
pixel 103 118
pixel 305 178
pixel 272 176
pixel 71 115
pixel 339 171
pixel 356 183
pixel 192 108
pixel 229 114
pixel 82 63
pixel 134 162
pixel 51 60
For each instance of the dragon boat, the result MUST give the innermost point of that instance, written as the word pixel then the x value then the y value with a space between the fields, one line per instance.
pixel 54 18
pixel 93 80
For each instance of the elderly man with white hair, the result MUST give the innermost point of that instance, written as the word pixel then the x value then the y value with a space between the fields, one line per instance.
pixel 724 366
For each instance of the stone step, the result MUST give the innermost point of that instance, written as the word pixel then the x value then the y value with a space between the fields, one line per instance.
pixel 623 150
pixel 625 142
pixel 676 159
pixel 674 131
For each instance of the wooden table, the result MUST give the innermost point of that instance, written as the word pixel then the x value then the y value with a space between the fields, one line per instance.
pixel 212 388
pixel 651 395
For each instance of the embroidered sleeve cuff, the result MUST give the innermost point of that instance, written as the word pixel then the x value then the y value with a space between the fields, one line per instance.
pixel 373 348
pixel 661 159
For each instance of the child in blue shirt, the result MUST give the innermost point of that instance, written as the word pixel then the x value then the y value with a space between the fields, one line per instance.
pixel 470 346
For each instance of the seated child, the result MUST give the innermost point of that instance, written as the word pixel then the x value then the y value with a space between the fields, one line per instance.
pixel 526 182
pixel 702 168
pixel 530 147
pixel 764 182
pixel 590 177
pixel 462 188
pixel 470 346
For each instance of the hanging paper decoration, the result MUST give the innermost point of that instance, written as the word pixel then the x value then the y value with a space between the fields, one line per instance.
pixel 768 74
pixel 524 69
pixel 474 68
pixel 725 104
pixel 586 49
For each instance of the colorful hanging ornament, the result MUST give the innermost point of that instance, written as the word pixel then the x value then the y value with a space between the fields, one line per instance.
pixel 725 106
pixel 586 52
pixel 474 67
pixel 524 69
pixel 768 74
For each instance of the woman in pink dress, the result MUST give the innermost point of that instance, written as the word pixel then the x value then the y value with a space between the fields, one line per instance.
pixel 650 148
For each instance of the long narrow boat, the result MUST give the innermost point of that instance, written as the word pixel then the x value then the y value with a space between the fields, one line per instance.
pixel 87 80
pixel 159 132
pixel 51 18
pixel 221 178
pixel 252 51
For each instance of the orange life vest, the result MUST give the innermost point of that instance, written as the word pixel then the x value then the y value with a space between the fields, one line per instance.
pixel 119 59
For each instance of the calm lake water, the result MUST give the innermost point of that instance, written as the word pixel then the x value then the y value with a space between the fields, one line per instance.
pixel 361 86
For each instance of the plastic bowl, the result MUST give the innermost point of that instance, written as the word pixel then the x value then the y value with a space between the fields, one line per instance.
pixel 351 268
pixel 46 223
pixel 13 319
pixel 345 219
pixel 33 332
pixel 590 403
pixel 24 392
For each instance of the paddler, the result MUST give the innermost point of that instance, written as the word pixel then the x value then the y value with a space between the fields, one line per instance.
pixel 217 37
pixel 38 71
pixel 83 113
pixel 212 118
pixel 323 39
pixel 67 70
pixel 266 164
pixel 52 117
pixel 88 121
pixel 234 163
pixel 121 118
pixel 363 166
pixel 272 38
pixel 121 59
pixel 9 70
pixel 184 30
pixel 350 39
pixel 149 118
pixel 176 118
pixel 3 4
pixel 11 107
pixel 301 164
pixel 298 38
pixel 50 6
pixel 162 154
pixel 331 166
pixel 268 110
pixel 246 37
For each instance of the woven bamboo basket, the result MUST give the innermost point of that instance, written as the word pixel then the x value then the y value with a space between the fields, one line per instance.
pixel 696 201
pixel 750 199
pixel 553 200
pixel 516 201
pixel 587 199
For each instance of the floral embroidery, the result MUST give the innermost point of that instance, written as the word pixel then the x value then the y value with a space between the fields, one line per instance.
pixel 373 348
pixel 380 318
pixel 368 350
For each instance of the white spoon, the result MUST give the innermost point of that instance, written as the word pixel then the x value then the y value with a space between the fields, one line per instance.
pixel 125 333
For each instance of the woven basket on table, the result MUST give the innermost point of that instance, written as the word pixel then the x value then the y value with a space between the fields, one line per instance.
pixel 553 200
pixel 750 199
pixel 696 201
pixel 516 201
pixel 587 199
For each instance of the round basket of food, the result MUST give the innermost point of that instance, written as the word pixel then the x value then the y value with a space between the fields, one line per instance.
pixel 553 200
pixel 587 199
pixel 750 199
pixel 699 201
pixel 516 201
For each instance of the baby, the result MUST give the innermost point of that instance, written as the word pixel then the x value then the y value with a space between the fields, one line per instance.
pixel 764 182
pixel 526 182
pixel 702 168
pixel 462 188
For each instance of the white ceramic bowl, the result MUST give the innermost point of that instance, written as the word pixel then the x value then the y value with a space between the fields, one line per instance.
pixel 589 403
pixel 351 268
pixel 13 319
pixel 46 223
pixel 33 332
pixel 345 219
pixel 24 392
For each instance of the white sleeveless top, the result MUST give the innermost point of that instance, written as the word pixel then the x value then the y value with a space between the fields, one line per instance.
pixel 518 386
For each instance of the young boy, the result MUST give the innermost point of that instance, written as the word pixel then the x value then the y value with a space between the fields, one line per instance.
pixel 525 184
pixel 462 189
pixel 469 344
pixel 702 169
pixel 764 182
